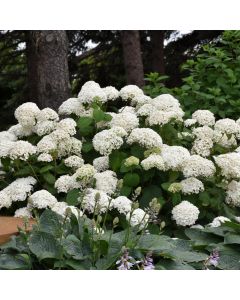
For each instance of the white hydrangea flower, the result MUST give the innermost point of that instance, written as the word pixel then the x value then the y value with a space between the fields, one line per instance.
pixel 60 208
pixel 73 106
pixel 191 185
pixel 126 120
pixel 174 157
pixel 138 218
pixel 166 102
pixel 119 131
pixel 60 135
pixel 74 161
pixel 65 183
pixel 5 147
pixel 18 190
pixel 47 144
pixel 197 166
pixel 225 141
pixel 160 117
pixel 23 212
pixel 204 117
pixel 76 146
pixel 202 147
pixel 153 161
pixel 45 157
pixel 26 114
pixel 90 92
pixel 140 100
pixel 47 114
pixel 233 193
pixel 229 164
pixel 129 92
pixel 190 122
pixel 111 92
pixel 204 132
pixel 101 163
pixel 185 213
pixel 218 221
pixel 106 141
pixel 19 131
pixel 146 110
pixel 84 174
pixel 131 161
pixel 227 126
pixel 22 150
pixel 145 137
pixel 122 204
pixel 44 127
pixel 68 125
pixel 9 136
pixel 5 199
pixel 41 199
pixel 96 200
pixel 106 181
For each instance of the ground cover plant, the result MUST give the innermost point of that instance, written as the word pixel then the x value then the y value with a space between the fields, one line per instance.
pixel 119 180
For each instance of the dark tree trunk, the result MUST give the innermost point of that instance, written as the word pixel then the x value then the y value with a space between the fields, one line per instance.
pixel 157 39
pixel 132 57
pixel 47 64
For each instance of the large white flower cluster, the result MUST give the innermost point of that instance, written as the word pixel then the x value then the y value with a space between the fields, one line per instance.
pixel 108 140
pixel 197 166
pixel 185 213
pixel 18 190
pixel 174 157
pixel 106 181
pixel 145 137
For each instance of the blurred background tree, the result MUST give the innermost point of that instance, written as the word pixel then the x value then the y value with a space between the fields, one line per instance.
pixel 103 56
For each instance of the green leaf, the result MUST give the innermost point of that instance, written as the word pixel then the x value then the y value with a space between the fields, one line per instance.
pixel 167 264
pixel 115 159
pixel 44 245
pixel 72 246
pixel 45 169
pixel 49 178
pixel 149 192
pixel 131 179
pixel 154 242
pixel 231 238
pixel 85 125
pixel 125 190
pixel 13 262
pixel 201 238
pixel 72 197
pixel 50 222
pixel 87 147
pixel 98 115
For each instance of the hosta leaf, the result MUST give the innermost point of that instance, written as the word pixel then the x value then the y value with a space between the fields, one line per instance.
pixel 44 245
pixel 72 246
pixel 13 262
pixel 50 222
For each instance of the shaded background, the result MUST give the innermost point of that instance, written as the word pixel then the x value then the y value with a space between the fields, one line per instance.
pixel 47 67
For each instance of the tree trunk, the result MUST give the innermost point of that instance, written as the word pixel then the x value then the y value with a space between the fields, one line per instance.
pixel 132 57
pixel 157 39
pixel 47 64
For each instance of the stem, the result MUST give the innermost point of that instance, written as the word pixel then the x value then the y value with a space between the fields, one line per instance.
pixel 34 173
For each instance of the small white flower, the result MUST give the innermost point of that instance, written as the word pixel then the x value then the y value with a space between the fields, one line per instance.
pixel 185 213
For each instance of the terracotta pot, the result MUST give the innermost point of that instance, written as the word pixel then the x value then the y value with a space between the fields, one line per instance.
pixel 9 226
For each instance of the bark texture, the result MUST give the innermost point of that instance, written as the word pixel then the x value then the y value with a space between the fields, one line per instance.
pixel 157 39
pixel 132 57
pixel 47 63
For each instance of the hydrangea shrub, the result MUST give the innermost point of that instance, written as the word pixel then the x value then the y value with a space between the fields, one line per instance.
pixel 114 154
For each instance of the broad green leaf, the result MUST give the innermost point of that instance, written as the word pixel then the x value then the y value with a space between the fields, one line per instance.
pixel 72 197
pixel 49 178
pixel 13 262
pixel 72 246
pixel 131 179
pixel 44 245
pixel 50 223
